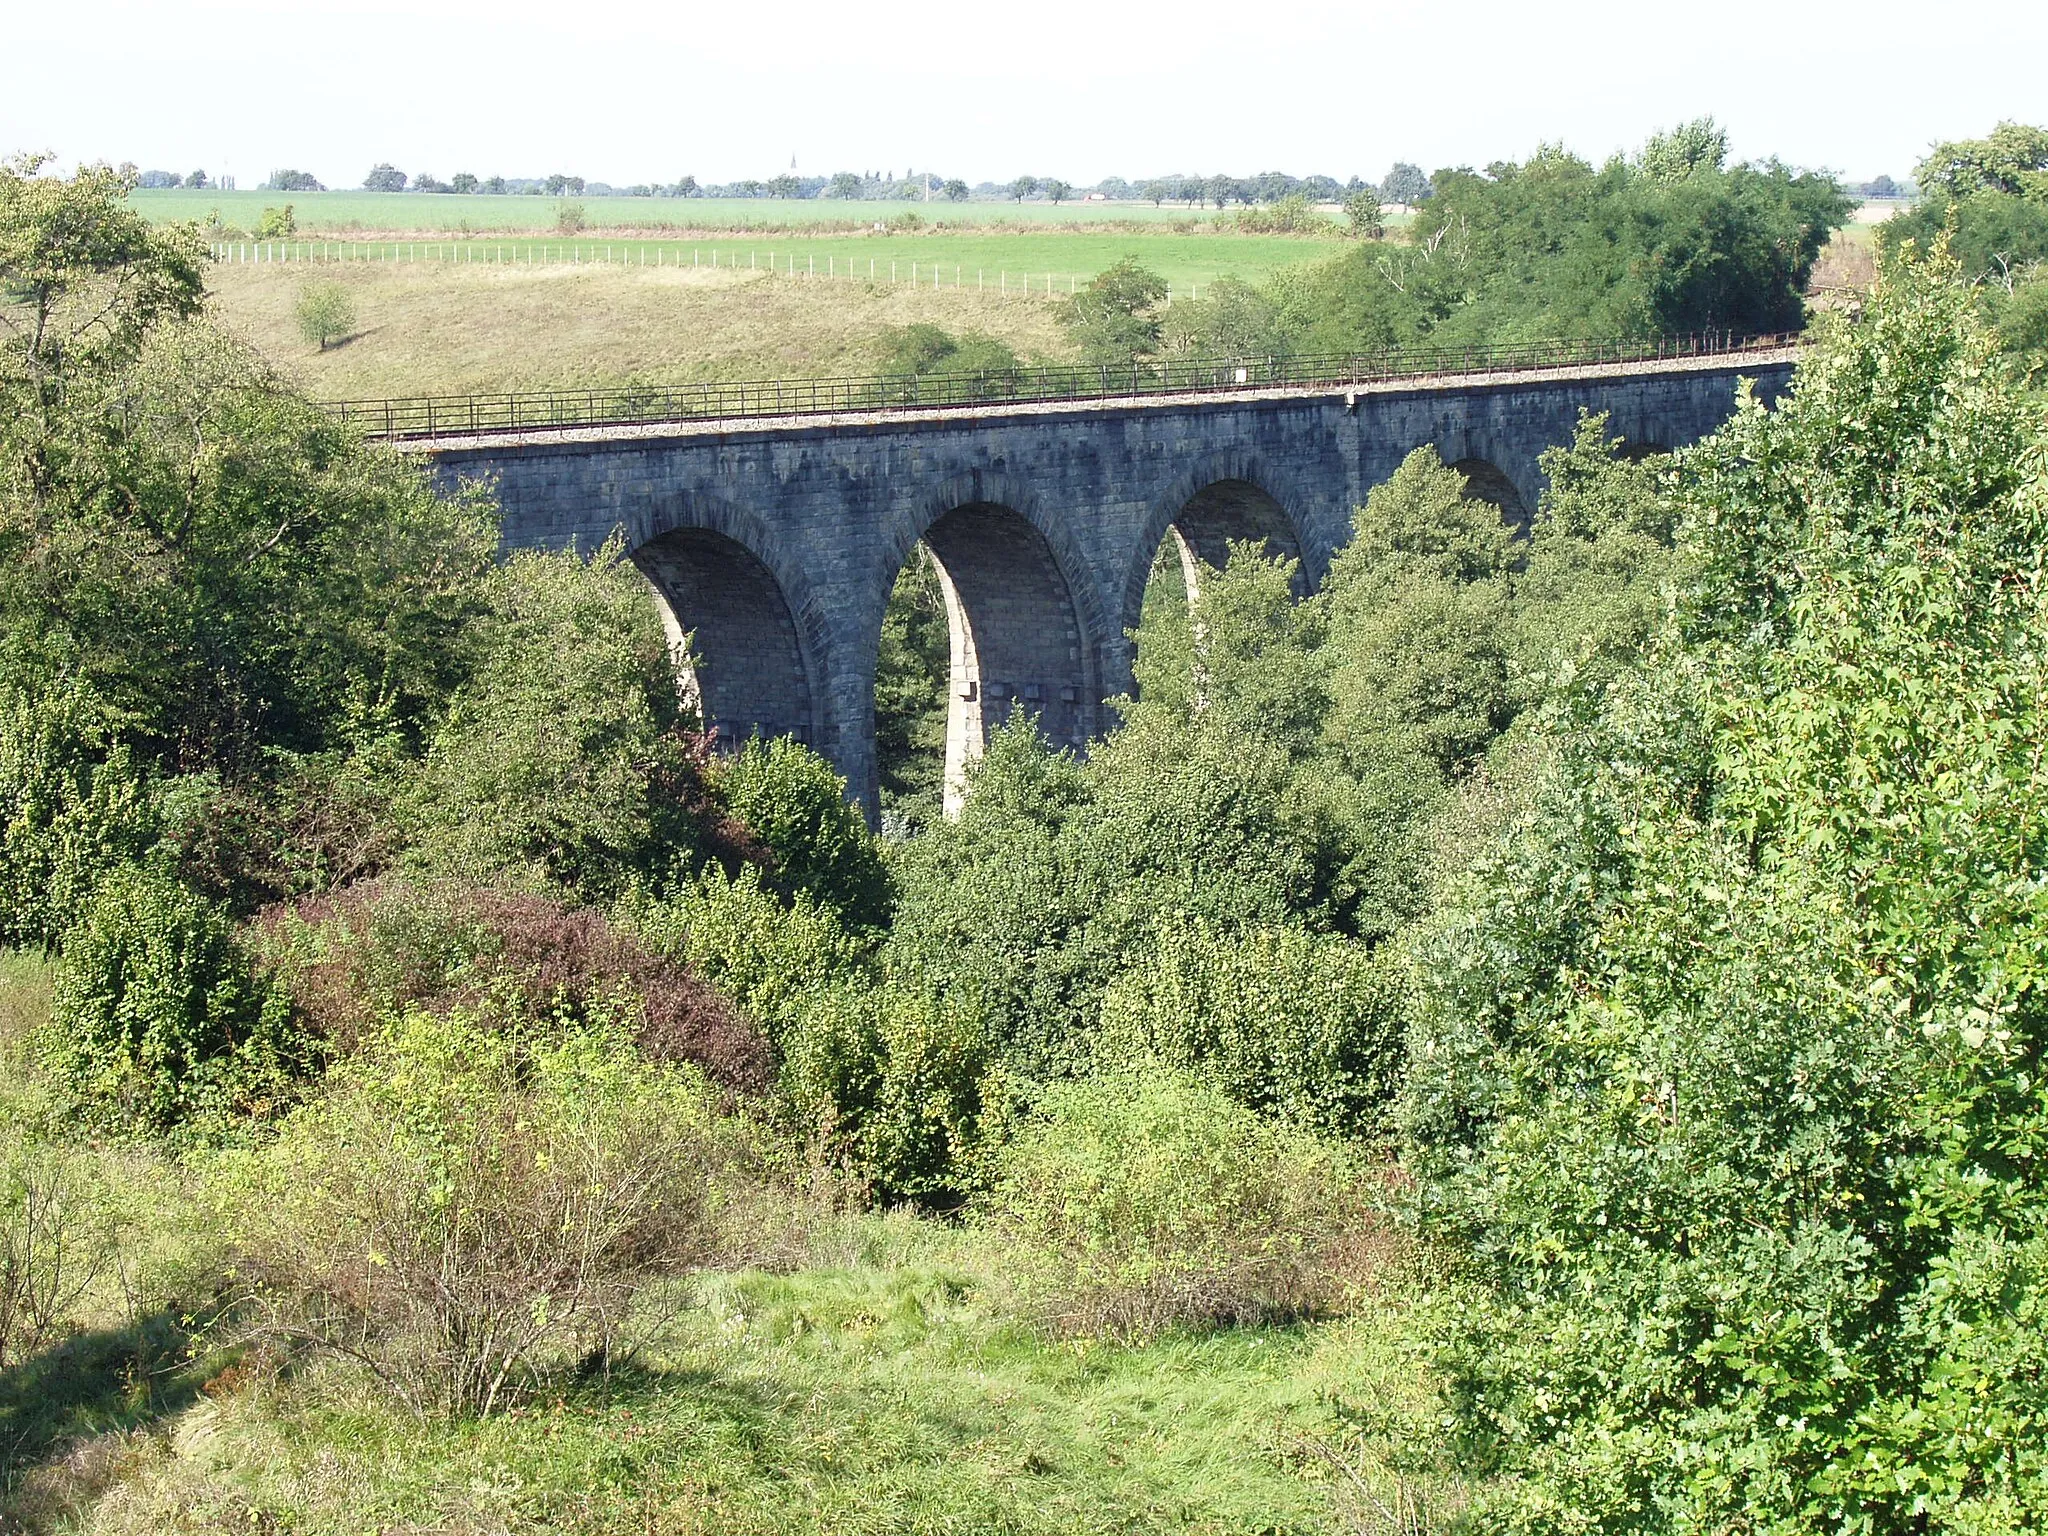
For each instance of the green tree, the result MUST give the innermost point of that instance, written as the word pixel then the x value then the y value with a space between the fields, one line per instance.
pixel 73 805
pixel 1117 316
pixel 1726 1081
pixel 463 182
pixel 1405 184
pixel 325 313
pixel 926 348
pixel 1681 153
pixel 157 1014
pixel 1362 213
pixel 912 667
pixel 1023 187
pixel 1231 319
pixel 956 191
pixel 2012 159
pixel 1057 192
pixel 796 806
pixel 844 185
pixel 560 762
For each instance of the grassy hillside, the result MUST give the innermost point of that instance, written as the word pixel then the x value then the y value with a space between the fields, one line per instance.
pixel 424 329
pixel 881 1378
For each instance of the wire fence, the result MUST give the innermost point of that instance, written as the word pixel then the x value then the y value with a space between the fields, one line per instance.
pixel 540 410
pixel 779 261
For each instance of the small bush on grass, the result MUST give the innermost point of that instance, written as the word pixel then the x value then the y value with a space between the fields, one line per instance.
pixel 325 314
pixel 470 1212
pixel 157 1015
pixel 1137 1204
pixel 355 959
pixel 56 1244
pixel 891 1085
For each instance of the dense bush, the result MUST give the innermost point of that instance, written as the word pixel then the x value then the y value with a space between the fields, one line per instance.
pixel 470 1212
pixel 1728 1080
pixel 158 1015
pixel 793 804
pixel 354 960
pixel 766 954
pixel 890 1084
pixel 561 763
pixel 1149 1201
pixel 1304 1026
pixel 72 806
pixel 1555 246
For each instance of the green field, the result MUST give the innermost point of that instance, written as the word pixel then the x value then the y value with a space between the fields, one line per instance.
pixel 1033 261
pixel 395 211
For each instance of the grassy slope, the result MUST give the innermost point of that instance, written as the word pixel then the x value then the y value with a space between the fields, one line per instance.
pixel 880 1397
pixel 445 330
pixel 889 1388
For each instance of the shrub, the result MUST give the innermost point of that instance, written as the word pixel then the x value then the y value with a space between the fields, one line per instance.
pixel 72 806
pixel 891 1084
pixel 56 1244
pixel 469 1212
pixel 795 805
pixel 157 1014
pixel 1300 1025
pixel 1138 1203
pixel 326 314
pixel 353 960
pixel 767 956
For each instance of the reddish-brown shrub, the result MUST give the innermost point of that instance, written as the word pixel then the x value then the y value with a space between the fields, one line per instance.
pixel 356 956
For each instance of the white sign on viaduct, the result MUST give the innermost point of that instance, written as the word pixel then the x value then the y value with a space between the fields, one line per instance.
pixel 773 543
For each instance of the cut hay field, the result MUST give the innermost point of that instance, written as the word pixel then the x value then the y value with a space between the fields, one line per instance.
pixel 346 211
pixel 429 329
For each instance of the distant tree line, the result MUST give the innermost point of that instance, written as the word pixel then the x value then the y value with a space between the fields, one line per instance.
pixel 1404 183
pixel 196 179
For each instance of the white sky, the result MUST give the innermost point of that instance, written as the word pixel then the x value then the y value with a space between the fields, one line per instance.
pixel 625 91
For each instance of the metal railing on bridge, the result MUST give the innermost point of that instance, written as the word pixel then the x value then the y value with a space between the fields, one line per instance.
pixel 626 405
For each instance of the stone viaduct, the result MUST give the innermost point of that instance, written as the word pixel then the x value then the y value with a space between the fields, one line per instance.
pixel 773 542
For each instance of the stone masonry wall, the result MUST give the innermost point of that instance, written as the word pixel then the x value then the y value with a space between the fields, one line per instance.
pixel 1070 504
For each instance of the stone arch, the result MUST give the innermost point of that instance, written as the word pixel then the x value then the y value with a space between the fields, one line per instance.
pixel 1225 512
pixel 744 656
pixel 1225 496
pixel 1487 481
pixel 1024 627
